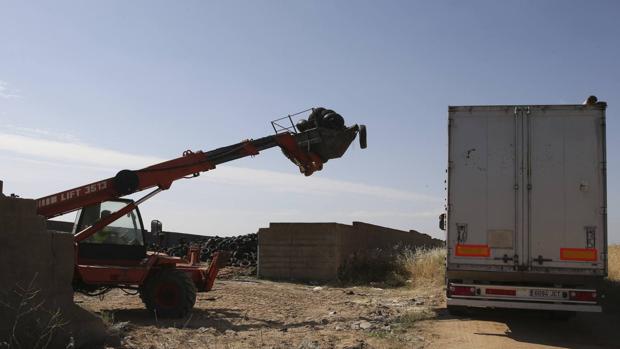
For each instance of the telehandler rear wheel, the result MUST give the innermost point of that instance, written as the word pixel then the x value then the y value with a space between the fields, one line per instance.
pixel 169 293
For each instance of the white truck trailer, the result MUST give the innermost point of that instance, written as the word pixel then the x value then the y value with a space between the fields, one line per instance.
pixel 526 207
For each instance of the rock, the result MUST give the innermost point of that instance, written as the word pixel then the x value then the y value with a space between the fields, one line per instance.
pixel 209 330
pixel 308 344
pixel 349 292
pixel 318 288
pixel 361 344
pixel 365 325
pixel 120 327
pixel 324 321
pixel 230 333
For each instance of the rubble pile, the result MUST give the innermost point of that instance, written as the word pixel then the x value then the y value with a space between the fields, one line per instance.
pixel 242 248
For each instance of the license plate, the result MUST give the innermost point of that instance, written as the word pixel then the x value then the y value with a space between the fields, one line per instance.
pixel 555 294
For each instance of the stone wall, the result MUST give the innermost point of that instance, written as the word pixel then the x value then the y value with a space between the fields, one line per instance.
pixel 316 251
pixel 38 264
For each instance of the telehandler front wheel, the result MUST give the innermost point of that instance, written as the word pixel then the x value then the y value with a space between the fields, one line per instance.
pixel 169 293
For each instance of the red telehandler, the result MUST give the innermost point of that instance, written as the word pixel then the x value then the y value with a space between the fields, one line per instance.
pixel 110 250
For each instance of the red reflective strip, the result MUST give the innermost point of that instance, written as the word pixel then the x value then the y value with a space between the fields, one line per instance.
pixel 578 254
pixel 500 292
pixel 583 296
pixel 473 250
pixel 462 291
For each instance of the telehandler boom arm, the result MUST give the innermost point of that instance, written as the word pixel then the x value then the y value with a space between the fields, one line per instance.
pixel 322 137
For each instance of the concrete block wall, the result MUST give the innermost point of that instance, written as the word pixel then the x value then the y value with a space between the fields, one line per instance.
pixel 315 251
pixel 31 255
pixel 299 251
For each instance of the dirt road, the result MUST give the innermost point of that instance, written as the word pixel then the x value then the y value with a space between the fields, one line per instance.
pixel 250 313
pixel 518 329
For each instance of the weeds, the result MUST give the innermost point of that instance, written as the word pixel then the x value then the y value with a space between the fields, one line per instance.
pixel 614 262
pixel 424 267
pixel 395 267
pixel 108 317
pixel 410 318
pixel 31 325
pixel 374 266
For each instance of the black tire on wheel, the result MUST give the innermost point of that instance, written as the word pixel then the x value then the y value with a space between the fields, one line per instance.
pixel 334 121
pixel 316 117
pixel 169 293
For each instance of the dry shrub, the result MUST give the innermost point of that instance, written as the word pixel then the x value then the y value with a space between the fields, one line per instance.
pixel 614 262
pixel 373 266
pixel 425 266
pixel 394 267
pixel 30 324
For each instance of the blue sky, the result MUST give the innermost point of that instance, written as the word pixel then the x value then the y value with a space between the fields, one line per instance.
pixel 88 88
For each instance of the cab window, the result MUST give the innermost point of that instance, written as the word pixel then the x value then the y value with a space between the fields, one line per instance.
pixel 127 230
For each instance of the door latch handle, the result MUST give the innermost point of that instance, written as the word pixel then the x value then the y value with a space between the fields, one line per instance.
pixel 505 258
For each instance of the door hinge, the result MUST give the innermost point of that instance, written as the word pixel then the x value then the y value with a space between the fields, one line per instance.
pixel 541 260
pixel 505 258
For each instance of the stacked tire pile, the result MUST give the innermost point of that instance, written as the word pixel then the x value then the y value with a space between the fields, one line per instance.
pixel 242 248
pixel 321 117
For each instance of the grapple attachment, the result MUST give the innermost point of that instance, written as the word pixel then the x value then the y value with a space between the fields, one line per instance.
pixel 321 137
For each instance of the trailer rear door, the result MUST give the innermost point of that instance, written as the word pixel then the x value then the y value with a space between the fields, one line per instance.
pixel 483 197
pixel 566 181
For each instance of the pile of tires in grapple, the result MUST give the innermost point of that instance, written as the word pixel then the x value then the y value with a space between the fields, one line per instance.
pixel 321 117
pixel 242 248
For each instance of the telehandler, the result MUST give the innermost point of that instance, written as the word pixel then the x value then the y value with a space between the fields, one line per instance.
pixel 110 249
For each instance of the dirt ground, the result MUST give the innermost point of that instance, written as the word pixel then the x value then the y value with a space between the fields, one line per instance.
pixel 244 312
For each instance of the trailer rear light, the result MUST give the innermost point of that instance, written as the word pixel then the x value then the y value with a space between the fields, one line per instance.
pixel 583 296
pixel 462 291
pixel 500 292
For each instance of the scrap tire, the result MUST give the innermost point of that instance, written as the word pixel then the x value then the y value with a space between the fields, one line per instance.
pixel 169 293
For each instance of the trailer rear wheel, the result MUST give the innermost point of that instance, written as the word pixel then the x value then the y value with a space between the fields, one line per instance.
pixel 169 293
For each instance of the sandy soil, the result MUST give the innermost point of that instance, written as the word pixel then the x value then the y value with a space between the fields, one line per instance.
pixel 248 313
pixel 518 329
